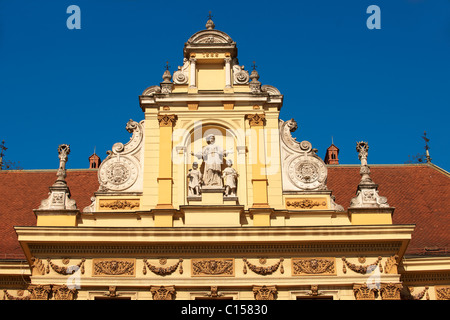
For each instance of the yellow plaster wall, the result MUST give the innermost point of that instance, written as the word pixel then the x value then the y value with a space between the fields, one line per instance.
pixel 210 76
pixel 151 160
pixel 57 220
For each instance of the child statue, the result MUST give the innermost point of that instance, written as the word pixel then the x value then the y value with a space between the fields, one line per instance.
pixel 194 180
pixel 229 179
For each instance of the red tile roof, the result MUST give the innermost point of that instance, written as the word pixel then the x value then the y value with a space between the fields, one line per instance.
pixel 22 191
pixel 419 193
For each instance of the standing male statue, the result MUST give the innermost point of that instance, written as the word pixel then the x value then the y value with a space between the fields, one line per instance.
pixel 212 156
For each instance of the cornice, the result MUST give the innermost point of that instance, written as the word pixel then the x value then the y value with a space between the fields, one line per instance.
pixel 389 239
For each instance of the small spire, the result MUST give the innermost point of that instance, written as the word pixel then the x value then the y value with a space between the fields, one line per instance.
pixel 427 147
pixel 210 24
pixel 367 193
pixel 167 76
pixel 63 152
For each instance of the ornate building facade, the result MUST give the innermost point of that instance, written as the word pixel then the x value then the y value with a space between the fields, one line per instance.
pixel 213 198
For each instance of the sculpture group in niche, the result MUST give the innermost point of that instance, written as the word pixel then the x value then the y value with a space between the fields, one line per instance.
pixel 212 176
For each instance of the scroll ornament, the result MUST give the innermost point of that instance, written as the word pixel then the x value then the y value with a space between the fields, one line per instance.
pixel 163 271
pixel 305 204
pixel 120 205
pixel 313 266
pixel 114 268
pixel 443 293
pixel 263 270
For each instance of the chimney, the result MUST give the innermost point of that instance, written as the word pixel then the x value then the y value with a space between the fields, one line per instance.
pixel 94 161
pixel 331 157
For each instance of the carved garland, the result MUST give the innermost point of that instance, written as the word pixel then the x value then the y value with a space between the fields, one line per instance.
pixel 66 270
pixel 361 269
pixel 11 297
pixel 263 270
pixel 421 294
pixel 163 271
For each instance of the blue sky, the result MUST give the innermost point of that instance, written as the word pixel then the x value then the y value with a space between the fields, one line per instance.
pixel 339 79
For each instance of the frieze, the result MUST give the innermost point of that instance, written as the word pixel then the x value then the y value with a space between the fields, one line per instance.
pixel 57 249
pixel 296 204
pixel 313 266
pixel 119 204
pixel 113 267
pixel 213 267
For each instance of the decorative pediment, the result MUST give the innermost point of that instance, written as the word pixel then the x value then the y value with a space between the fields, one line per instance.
pixel 210 36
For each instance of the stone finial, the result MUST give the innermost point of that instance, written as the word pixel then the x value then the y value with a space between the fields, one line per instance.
pixel 367 193
pixel 255 85
pixel 166 85
pixel 59 195
pixel 363 150
pixel 63 152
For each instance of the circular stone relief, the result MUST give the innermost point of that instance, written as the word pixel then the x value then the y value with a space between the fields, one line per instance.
pixel 118 173
pixel 307 172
